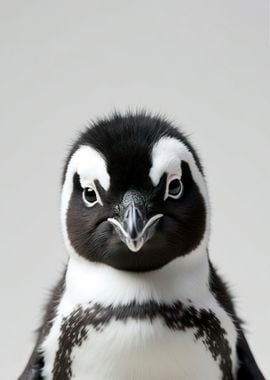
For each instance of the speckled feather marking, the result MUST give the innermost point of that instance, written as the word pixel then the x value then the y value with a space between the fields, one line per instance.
pixel 207 327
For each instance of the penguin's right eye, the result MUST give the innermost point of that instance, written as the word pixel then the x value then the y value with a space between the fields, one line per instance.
pixel 89 197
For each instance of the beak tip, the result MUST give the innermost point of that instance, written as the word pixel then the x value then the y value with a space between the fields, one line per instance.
pixel 134 245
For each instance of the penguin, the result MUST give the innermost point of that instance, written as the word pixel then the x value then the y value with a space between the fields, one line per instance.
pixel 139 297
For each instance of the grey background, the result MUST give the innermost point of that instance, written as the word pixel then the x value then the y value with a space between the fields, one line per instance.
pixel 203 63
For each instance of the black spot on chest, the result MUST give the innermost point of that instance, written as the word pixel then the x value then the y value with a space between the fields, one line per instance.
pixel 205 324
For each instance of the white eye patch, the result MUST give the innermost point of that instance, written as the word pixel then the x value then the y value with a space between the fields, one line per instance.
pixel 90 166
pixel 166 158
pixel 167 155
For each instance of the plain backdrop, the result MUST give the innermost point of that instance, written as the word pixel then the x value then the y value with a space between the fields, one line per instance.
pixel 205 64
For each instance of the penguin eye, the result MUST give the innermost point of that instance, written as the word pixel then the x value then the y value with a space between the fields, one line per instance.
pixel 89 196
pixel 174 188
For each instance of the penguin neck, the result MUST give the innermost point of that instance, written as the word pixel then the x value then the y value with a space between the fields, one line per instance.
pixel 185 278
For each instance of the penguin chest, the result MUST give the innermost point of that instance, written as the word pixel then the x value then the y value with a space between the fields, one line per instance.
pixel 147 341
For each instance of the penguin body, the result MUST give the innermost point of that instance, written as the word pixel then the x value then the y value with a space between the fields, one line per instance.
pixel 140 298
pixel 153 332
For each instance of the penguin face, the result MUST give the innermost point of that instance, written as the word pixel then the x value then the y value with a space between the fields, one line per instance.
pixel 134 196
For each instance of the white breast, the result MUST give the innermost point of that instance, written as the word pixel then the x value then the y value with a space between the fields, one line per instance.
pixel 136 348
pixel 144 351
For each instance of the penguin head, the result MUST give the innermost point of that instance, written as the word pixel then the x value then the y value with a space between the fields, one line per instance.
pixel 134 195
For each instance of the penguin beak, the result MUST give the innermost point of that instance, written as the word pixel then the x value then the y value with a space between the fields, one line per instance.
pixel 133 230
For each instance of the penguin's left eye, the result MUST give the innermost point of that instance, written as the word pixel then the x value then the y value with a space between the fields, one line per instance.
pixel 89 196
pixel 174 188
